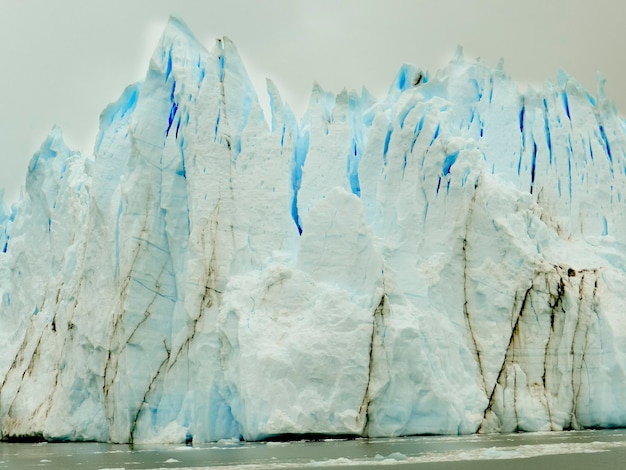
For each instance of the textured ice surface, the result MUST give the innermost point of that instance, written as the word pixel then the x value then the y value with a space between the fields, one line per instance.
pixel 447 259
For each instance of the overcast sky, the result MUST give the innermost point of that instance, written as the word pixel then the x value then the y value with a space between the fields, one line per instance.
pixel 63 61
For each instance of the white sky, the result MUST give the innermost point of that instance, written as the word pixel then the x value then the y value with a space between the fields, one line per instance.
pixel 63 61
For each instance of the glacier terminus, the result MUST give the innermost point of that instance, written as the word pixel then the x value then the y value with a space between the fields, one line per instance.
pixel 447 259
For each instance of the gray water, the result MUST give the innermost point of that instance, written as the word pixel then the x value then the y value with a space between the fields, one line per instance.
pixel 550 451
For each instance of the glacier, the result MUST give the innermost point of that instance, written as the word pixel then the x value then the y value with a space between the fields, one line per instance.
pixel 449 259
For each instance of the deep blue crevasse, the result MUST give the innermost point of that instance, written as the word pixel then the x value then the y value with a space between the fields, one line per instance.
pixel 173 109
pixel 546 126
pixel 353 174
pixel 299 156
pixel 565 104
pixel 448 162
pixel 606 145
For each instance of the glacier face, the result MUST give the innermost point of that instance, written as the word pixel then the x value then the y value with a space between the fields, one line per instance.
pixel 449 259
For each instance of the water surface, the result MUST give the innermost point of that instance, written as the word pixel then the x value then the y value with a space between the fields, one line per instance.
pixel 538 451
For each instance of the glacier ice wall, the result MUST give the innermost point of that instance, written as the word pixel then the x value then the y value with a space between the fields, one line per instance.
pixel 449 259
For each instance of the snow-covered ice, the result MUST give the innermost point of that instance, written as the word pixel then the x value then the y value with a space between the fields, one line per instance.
pixel 447 259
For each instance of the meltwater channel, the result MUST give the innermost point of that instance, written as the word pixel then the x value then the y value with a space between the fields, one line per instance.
pixel 552 450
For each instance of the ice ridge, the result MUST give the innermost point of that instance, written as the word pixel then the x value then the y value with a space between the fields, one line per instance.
pixel 447 259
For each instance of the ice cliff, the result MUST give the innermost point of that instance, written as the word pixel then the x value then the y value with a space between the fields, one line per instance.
pixel 448 259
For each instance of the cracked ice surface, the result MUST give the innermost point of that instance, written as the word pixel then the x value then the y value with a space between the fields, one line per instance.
pixel 448 259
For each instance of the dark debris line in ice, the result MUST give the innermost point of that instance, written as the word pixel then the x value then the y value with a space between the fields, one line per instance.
pixel 531 311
